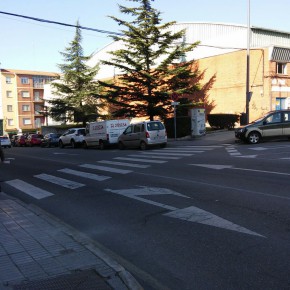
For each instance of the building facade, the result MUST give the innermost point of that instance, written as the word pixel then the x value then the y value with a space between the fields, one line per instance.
pixel 223 52
pixel 22 105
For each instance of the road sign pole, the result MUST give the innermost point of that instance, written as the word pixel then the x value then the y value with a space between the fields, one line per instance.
pixel 174 104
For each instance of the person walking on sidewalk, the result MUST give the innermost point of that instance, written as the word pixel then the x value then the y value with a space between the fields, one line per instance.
pixel 1 154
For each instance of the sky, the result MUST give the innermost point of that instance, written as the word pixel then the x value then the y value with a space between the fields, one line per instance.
pixel 30 45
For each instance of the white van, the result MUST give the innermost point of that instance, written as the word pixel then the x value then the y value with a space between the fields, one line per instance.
pixel 104 133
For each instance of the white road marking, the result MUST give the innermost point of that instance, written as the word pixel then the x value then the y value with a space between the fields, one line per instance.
pixel 183 150
pixel 104 168
pixel 212 166
pixel 85 174
pixel 154 156
pixel 124 164
pixel 167 154
pixel 59 181
pixel 198 215
pixel 29 189
pixel 141 160
pixel 191 214
pixel 58 153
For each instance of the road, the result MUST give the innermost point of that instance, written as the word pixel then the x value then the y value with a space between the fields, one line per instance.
pixel 195 215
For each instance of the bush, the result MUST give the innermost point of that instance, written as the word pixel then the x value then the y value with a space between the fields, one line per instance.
pixel 222 121
pixel 183 127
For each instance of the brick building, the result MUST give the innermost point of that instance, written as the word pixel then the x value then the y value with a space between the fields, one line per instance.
pixel 21 100
pixel 223 51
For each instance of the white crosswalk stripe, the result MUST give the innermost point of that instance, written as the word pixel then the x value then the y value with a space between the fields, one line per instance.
pixel 105 168
pixel 155 156
pixel 123 164
pixel 84 174
pixel 59 181
pixel 167 154
pixel 141 160
pixel 29 189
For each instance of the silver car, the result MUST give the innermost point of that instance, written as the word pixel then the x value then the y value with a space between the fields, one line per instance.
pixel 143 134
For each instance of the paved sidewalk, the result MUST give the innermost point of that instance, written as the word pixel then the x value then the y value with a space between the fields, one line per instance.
pixel 38 251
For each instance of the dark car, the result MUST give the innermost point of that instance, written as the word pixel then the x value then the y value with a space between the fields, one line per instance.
pixel 50 139
pixel 20 141
pixel 275 124
pixel 34 140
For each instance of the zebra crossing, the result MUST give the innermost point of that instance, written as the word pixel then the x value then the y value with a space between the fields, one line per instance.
pixel 117 165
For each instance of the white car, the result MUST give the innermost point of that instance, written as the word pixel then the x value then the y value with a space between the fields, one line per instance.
pixel 5 142
pixel 73 137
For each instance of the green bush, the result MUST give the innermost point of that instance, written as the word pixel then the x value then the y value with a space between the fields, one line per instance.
pixel 183 127
pixel 222 121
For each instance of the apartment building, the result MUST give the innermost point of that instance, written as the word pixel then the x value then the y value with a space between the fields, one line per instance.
pixel 22 105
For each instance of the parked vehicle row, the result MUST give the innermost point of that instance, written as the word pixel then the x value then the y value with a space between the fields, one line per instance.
pixel 101 134
pixel 5 142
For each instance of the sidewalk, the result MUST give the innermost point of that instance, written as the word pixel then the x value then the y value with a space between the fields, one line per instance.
pixel 40 252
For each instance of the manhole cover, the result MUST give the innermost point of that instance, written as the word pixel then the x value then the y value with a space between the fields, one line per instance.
pixel 84 280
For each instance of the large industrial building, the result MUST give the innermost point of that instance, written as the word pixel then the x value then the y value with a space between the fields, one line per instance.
pixel 223 52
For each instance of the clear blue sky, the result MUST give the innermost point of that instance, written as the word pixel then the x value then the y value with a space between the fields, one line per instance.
pixel 29 45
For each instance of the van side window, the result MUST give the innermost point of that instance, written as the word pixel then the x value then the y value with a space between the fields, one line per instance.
pixel 142 128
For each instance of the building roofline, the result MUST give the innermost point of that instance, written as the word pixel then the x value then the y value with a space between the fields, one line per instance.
pixel 28 72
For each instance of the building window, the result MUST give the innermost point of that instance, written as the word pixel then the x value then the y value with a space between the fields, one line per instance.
pixel 8 80
pixel 25 94
pixel 36 96
pixel 10 122
pixel 25 108
pixel 281 68
pixel 9 108
pixel 25 81
pixel 8 94
pixel 26 121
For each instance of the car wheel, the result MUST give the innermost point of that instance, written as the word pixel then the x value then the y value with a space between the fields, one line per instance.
pixel 121 145
pixel 60 144
pixel 254 138
pixel 73 143
pixel 143 145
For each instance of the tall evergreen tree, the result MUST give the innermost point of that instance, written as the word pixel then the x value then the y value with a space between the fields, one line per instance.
pixel 77 88
pixel 152 64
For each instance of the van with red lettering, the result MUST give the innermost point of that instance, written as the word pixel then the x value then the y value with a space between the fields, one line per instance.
pixel 104 134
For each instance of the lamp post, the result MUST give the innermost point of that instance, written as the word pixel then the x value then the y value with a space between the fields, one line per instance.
pixel 248 93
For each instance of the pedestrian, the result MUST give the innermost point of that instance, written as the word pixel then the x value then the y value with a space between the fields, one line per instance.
pixel 1 154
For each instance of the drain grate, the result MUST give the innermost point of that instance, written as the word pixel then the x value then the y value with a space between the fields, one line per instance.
pixel 83 280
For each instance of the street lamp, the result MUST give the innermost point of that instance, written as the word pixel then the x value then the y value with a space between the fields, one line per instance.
pixel 248 93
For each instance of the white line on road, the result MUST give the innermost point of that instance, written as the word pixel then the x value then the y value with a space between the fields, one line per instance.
pixel 59 181
pixel 29 189
pixel 84 174
pixel 167 153
pixel 124 164
pixel 104 168
pixel 141 160
pixel 154 156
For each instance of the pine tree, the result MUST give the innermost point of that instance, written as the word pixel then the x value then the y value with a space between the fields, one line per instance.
pixel 152 65
pixel 77 88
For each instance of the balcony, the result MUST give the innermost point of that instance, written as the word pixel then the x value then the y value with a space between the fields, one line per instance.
pixel 38 85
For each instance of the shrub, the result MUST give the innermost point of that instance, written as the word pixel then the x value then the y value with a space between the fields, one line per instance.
pixel 221 121
pixel 183 127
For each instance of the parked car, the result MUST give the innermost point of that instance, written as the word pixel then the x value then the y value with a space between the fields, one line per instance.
pixel 50 139
pixel 13 139
pixel 72 137
pixel 275 124
pixel 5 142
pixel 20 141
pixel 33 140
pixel 143 134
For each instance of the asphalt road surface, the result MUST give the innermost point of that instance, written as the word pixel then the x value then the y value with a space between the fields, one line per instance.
pixel 199 214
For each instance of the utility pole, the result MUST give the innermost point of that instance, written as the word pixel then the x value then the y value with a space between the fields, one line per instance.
pixel 248 93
